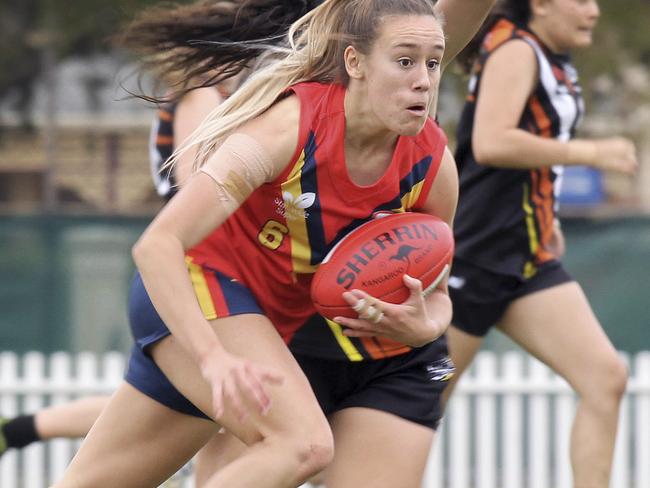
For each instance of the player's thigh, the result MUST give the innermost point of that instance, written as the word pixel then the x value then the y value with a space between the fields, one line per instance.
pixel 252 336
pixel 375 449
pixel 462 350
pixel 136 442
pixel 220 450
pixel 558 326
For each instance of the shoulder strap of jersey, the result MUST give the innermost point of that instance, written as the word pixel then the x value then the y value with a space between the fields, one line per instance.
pixel 435 139
pixel 309 94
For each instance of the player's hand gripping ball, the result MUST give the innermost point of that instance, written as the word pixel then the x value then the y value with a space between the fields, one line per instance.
pixel 375 256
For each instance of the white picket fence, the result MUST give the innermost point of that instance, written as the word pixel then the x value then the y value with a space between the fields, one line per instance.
pixel 507 425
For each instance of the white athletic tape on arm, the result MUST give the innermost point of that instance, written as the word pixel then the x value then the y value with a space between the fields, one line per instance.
pixel 238 167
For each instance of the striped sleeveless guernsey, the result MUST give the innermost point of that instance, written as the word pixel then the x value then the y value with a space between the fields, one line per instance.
pixel 275 241
pixel 161 147
pixel 504 219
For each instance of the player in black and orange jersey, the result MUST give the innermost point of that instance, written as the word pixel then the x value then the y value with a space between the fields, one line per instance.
pixel 307 149
pixel 516 129
pixel 174 122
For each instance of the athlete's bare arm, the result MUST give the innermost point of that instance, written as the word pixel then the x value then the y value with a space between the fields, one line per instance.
pixel 498 141
pixel 443 196
pixel 196 211
pixel 462 20
pixel 190 112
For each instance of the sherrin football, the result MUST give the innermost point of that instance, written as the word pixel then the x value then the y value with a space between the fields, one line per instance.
pixel 375 256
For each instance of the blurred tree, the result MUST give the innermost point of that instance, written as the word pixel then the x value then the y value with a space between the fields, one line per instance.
pixel 35 31
pixel 621 38
pixel 19 63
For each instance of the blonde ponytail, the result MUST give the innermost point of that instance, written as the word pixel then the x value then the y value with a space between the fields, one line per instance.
pixel 307 57
pixel 313 52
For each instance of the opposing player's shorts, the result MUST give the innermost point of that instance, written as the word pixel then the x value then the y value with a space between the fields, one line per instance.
pixel 408 385
pixel 480 297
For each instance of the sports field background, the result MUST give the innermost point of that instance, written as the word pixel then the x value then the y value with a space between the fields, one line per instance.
pixel 75 189
pixel 64 280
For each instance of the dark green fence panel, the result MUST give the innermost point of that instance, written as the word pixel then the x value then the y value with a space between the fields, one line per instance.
pixel 64 280
pixel 611 259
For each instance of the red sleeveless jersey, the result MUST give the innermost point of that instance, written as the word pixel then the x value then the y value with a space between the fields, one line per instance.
pixel 275 241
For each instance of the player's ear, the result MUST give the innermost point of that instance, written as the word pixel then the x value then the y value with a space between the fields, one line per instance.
pixel 354 63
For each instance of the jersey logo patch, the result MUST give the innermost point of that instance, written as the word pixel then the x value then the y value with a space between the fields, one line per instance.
pixel 293 208
pixel 441 370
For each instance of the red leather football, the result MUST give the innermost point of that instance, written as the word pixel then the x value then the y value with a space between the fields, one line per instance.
pixel 375 256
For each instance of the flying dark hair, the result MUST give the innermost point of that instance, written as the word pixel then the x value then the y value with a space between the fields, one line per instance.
pixel 182 44
pixel 313 50
pixel 517 11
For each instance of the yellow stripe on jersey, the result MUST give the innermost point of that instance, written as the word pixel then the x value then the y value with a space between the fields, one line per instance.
pixel 296 219
pixel 533 239
pixel 409 199
pixel 344 341
pixel 201 289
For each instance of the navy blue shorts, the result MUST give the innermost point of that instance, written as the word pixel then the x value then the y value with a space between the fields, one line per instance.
pixel 408 385
pixel 481 297
pixel 218 296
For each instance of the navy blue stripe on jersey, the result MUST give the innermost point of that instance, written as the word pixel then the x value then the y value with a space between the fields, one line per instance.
pixel 415 176
pixel 309 184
